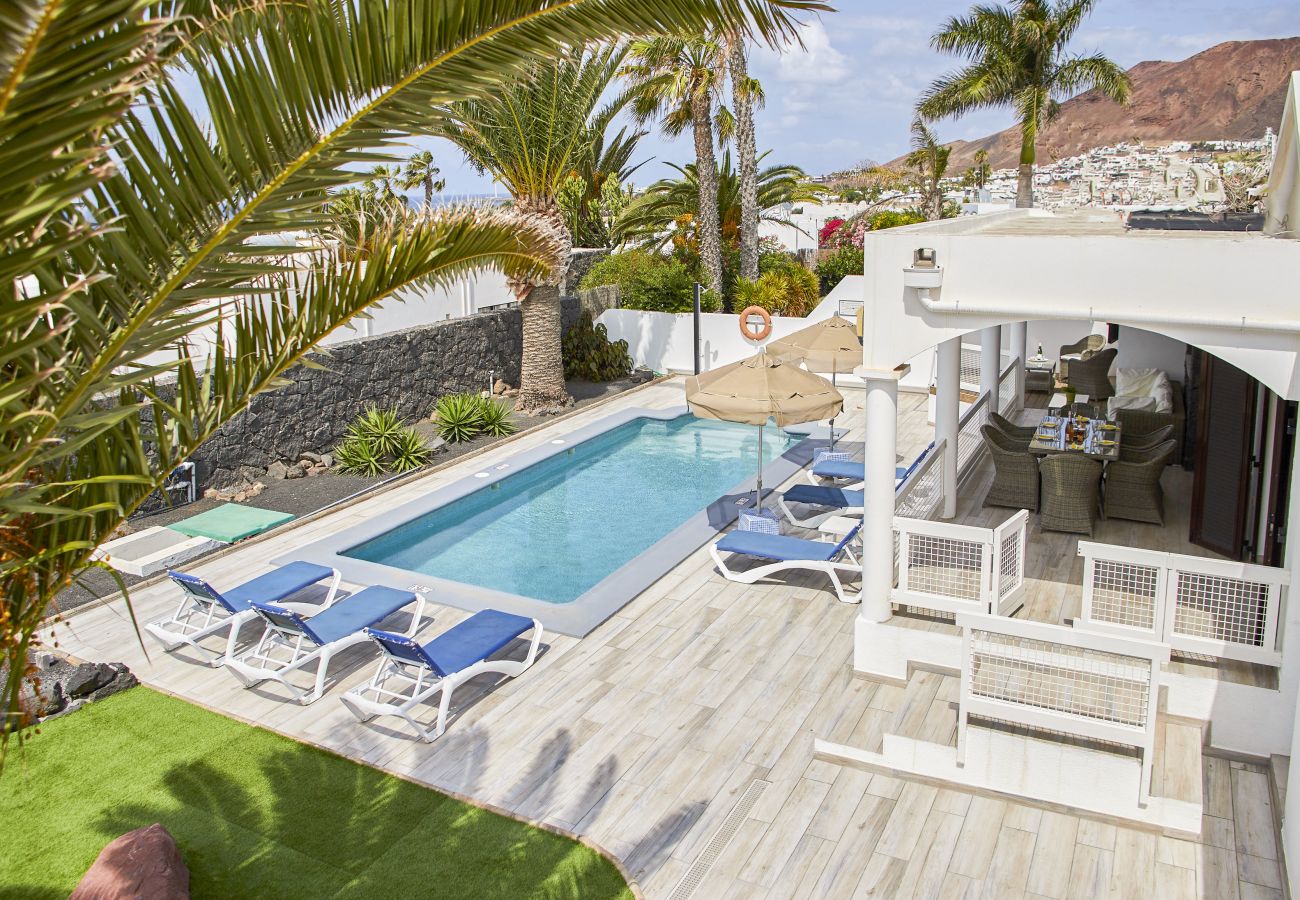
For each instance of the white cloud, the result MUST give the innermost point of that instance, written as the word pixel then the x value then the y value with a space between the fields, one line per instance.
pixel 817 62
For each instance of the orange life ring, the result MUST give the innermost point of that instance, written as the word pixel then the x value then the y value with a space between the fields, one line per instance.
pixel 761 333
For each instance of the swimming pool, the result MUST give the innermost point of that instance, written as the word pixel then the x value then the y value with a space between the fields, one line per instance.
pixel 555 529
pixel 570 531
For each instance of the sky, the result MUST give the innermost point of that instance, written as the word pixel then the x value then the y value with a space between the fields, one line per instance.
pixel 847 96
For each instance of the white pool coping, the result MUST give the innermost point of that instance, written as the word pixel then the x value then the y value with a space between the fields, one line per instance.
pixel 603 599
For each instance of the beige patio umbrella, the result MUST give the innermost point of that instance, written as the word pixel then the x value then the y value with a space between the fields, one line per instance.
pixel 831 345
pixel 760 388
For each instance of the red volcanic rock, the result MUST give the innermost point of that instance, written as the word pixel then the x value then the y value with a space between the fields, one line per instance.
pixel 144 864
pixel 1232 91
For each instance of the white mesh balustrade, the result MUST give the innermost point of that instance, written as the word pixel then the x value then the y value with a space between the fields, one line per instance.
pixel 1060 680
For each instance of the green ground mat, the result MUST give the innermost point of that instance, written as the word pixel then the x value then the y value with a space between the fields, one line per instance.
pixel 231 522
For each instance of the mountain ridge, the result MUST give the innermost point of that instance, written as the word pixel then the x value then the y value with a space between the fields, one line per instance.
pixel 1231 91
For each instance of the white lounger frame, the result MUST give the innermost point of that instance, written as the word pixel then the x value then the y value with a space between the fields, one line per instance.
pixel 399 686
pixel 829 568
pixel 198 618
pixel 281 651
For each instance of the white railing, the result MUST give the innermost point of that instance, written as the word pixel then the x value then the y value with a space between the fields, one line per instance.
pixel 1091 685
pixel 953 569
pixel 920 495
pixel 1007 389
pixel 970 442
pixel 1213 607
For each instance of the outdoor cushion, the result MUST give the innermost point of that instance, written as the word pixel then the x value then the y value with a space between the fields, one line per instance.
pixel 475 639
pixel 817 495
pixel 1136 382
pixel 779 547
pixel 230 522
pixel 277 584
pixel 1139 404
pixel 839 468
pixel 844 468
pixel 366 607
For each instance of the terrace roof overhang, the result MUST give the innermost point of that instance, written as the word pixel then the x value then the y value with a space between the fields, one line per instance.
pixel 1232 294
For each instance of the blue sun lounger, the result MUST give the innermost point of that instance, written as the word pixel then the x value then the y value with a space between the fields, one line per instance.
pixel 786 553
pixel 292 641
pixel 204 610
pixel 846 470
pixel 410 673
pixel 839 502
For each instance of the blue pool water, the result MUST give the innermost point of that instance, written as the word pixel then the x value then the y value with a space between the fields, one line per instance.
pixel 555 529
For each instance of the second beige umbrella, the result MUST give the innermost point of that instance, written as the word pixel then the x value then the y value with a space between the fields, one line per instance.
pixel 760 388
pixel 831 345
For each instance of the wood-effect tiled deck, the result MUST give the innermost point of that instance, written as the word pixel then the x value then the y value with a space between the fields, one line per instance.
pixel 642 736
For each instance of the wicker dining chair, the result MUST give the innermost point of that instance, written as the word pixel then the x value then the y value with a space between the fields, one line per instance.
pixel 1021 434
pixel 1015 472
pixel 1071 485
pixel 1132 487
pixel 1136 447
pixel 1091 376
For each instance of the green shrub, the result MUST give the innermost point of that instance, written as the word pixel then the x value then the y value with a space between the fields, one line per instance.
pixel 590 354
pixel 458 417
pixel 650 281
pixel 786 291
pixel 835 267
pixel 494 416
pixel 378 441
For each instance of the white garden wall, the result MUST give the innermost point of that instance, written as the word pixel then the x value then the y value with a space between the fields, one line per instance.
pixel 662 342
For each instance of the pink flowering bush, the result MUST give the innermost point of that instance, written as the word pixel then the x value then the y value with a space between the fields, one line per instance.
pixel 828 231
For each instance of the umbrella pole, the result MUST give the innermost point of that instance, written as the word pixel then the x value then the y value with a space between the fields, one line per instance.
pixel 832 417
pixel 758 493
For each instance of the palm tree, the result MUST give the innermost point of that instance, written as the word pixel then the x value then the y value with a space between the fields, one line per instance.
pixel 593 195
pixel 421 172
pixel 930 160
pixel 982 168
pixel 651 217
pixel 531 136
pixel 1016 57
pixel 746 92
pixel 677 77
pixel 130 222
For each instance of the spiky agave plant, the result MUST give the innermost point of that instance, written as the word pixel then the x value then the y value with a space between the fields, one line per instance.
pixel 494 417
pixel 458 417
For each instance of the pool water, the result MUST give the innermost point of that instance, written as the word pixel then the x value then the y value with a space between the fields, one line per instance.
pixel 557 528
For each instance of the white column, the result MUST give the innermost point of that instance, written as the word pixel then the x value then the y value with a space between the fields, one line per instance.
pixel 1020 350
pixel 991 364
pixel 947 413
pixel 878 488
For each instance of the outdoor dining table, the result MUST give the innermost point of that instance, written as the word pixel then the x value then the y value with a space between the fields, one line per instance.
pixel 1100 441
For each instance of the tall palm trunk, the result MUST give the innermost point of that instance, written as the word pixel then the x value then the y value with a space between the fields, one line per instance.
pixel 1025 183
pixel 706 166
pixel 541 373
pixel 746 144
pixel 428 192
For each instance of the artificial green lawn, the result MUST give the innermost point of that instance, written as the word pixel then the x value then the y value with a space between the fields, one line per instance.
pixel 258 815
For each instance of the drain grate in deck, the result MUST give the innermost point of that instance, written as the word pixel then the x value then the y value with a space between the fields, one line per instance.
pixel 708 857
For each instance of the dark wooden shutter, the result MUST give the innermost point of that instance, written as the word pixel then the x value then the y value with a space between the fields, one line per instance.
pixel 1224 438
pixel 1279 481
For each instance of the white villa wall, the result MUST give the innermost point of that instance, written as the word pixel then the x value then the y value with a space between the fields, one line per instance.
pixel 662 342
